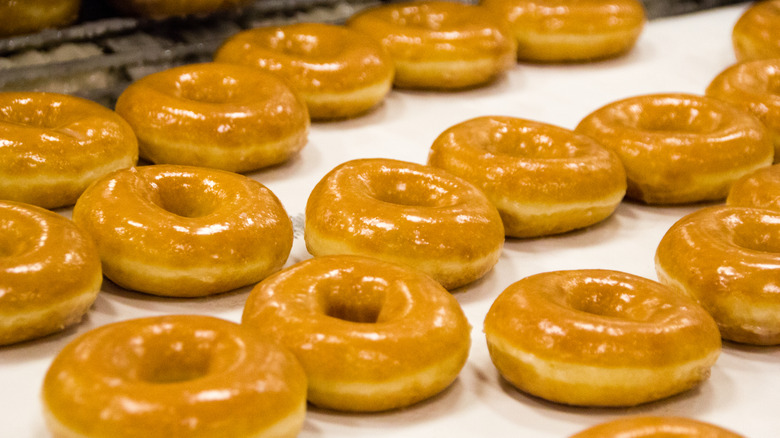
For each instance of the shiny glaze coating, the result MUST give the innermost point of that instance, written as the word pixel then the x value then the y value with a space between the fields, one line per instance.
pixel 49 272
pixel 339 72
pixel 543 179
pixel 169 8
pixel 756 34
pixel 760 189
pixel 224 116
pixel 438 44
pixel 599 338
pixel 728 259
pixel 406 213
pixel 754 86
pixel 52 146
pixel 563 31
pixel 184 231
pixel 655 427
pixel 22 17
pixel 680 148
pixel 173 376
pixel 371 335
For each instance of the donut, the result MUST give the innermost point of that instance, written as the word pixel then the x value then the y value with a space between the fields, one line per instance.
pixel 654 427
pixel 371 335
pixel 565 31
pixel 756 34
pixel 543 179
pixel 439 45
pixel 728 259
pixel 753 85
pixel 182 231
pixel 181 376
pixel 23 17
pixel 159 9
pixel 55 145
pixel 680 148
pixel 760 189
pixel 599 338
pixel 49 272
pixel 223 116
pixel 406 213
pixel 339 72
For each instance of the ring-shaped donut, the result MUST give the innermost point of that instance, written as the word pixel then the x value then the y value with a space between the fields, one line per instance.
pixel 224 116
pixel 728 259
pixel 680 148
pixel 756 34
pixel 754 86
pixel 184 231
pixel 654 427
pixel 565 31
pixel 438 44
pixel 599 338
pixel 339 72
pixel 49 272
pixel 543 179
pixel 405 213
pixel 183 376
pixel 55 145
pixel 371 335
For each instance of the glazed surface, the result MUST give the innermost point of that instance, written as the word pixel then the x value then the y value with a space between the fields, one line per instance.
pixel 651 426
pixel 756 34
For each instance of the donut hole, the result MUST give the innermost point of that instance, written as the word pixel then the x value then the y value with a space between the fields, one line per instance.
pixel 357 298
pixel 524 143
pixel 208 87
pixel 611 299
pixel 760 233
pixel 420 17
pixel 411 189
pixel 187 197
pixel 304 45
pixel 28 113
pixel 164 355
pixel 674 117
pixel 18 236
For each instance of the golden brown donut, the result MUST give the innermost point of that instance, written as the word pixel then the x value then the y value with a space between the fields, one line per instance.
pixel 228 117
pixel 371 335
pixel 543 179
pixel 728 258
pixel 655 427
pixel 756 34
pixel 680 148
pixel 157 9
pixel 760 189
pixel 22 17
pixel 55 145
pixel 405 213
pixel 565 31
pixel 339 72
pixel 599 338
pixel 183 376
pixel 753 85
pixel 184 231
pixel 438 44
pixel 49 272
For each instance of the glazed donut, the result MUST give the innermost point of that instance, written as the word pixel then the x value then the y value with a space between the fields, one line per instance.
pixel 760 189
pixel 565 31
pixel 174 376
pixel 756 34
pixel 22 17
pixel 49 272
pixel 184 231
pixel 223 116
pixel 339 72
pixel 654 427
pixel 371 335
pixel 438 44
pixel 680 148
pixel 55 145
pixel 543 179
pixel 728 258
pixel 599 338
pixel 157 9
pixel 405 213
pixel 753 85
